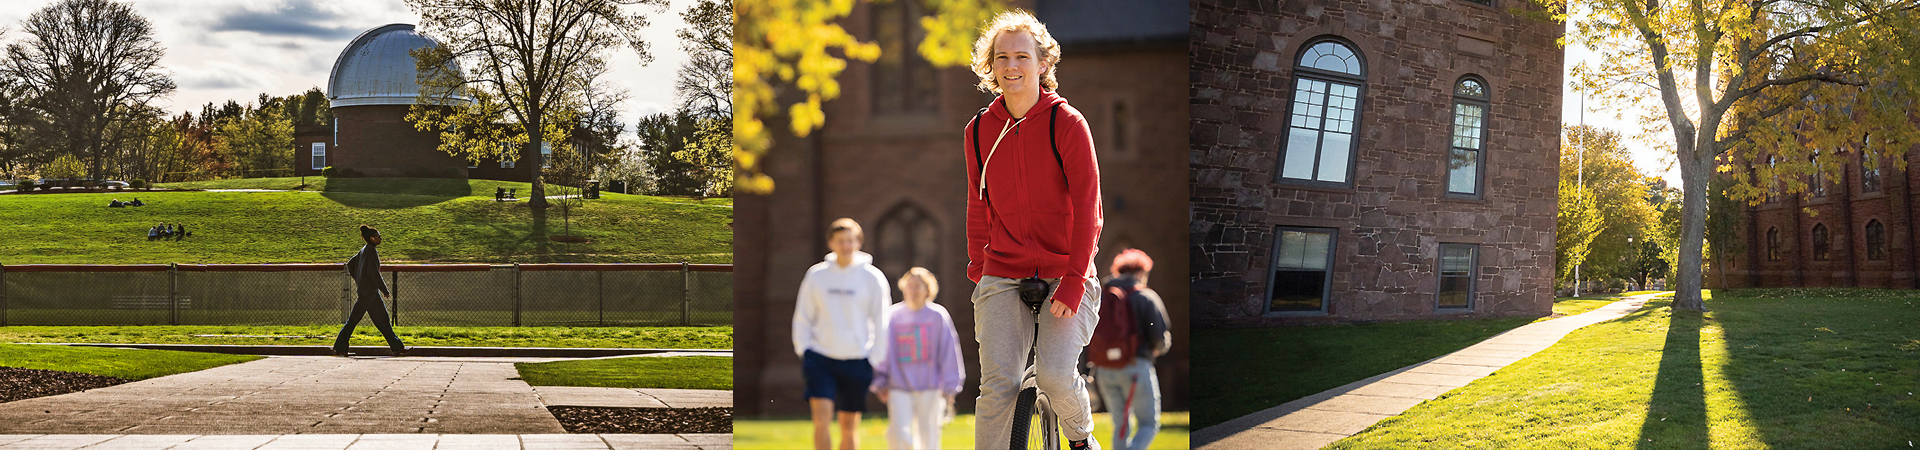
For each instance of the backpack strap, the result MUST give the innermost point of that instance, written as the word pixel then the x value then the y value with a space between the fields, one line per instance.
pixel 974 127
pixel 1053 117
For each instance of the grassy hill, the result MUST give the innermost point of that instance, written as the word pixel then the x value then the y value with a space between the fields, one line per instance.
pixel 423 220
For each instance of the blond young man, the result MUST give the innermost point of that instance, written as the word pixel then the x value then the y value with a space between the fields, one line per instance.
pixel 1033 210
pixel 837 316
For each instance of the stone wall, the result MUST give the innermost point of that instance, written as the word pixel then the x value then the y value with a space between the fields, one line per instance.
pixel 1394 216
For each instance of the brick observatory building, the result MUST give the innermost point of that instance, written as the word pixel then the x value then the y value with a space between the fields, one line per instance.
pixel 1859 232
pixel 1361 161
pixel 372 85
pixel 891 157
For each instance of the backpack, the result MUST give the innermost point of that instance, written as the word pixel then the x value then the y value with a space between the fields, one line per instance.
pixel 1053 116
pixel 1116 340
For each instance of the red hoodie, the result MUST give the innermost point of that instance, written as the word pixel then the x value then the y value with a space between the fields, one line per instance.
pixel 1031 218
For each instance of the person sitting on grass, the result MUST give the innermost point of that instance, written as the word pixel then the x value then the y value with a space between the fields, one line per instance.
pixel 167 232
pixel 153 233
pixel 839 312
pixel 182 232
pixel 919 370
pixel 365 270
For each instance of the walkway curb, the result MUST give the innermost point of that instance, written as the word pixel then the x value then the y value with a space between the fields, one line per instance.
pixel 1316 420
pixel 495 352
pixel 370 441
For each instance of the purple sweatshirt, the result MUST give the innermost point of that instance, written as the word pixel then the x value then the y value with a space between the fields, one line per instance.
pixel 921 351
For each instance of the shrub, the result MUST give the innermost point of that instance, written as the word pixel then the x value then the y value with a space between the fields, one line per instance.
pixel 328 172
pixel 139 184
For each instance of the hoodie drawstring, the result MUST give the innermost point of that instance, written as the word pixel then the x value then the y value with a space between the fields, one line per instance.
pixel 996 146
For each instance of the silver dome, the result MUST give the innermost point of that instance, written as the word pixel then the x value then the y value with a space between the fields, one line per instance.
pixel 376 69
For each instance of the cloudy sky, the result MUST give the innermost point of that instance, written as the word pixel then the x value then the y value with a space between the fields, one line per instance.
pixel 219 50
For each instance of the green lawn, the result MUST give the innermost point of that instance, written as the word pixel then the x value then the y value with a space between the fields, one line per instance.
pixel 113 362
pixel 1773 368
pixel 423 220
pixel 365 334
pixel 669 372
pixel 755 434
pixel 1568 306
pixel 1251 369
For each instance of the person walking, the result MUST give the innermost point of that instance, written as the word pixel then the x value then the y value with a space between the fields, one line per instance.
pixel 1033 210
pixel 365 270
pixel 839 313
pixel 1132 332
pixel 919 370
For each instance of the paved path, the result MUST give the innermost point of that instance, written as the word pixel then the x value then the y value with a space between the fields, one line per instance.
pixel 326 395
pixel 369 441
pixel 1320 419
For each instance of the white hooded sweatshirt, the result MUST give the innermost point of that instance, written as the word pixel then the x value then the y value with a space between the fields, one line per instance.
pixel 841 309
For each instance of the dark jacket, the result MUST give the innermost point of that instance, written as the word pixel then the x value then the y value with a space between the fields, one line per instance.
pixel 365 269
pixel 1150 315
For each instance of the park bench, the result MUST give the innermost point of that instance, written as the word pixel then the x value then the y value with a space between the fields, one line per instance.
pixel 147 302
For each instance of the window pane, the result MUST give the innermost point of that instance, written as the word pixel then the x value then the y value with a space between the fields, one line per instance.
pixel 1316 251
pixel 1463 174
pixel 1300 271
pixel 1333 57
pixel 1292 250
pixel 1456 276
pixel 1298 290
pixel 1453 291
pixel 1300 148
pixel 1456 260
pixel 1333 157
pixel 1467 121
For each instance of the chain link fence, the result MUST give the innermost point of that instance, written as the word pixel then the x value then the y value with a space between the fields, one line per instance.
pixel 323 294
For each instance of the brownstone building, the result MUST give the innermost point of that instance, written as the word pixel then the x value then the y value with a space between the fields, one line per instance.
pixel 1372 160
pixel 371 87
pixel 1853 231
pixel 891 157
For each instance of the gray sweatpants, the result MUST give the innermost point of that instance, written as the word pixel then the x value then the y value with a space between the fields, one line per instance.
pixel 1004 328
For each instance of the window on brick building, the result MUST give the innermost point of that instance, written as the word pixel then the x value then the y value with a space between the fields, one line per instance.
pixel 1773 187
pixel 1457 262
pixel 508 155
pixel 1820 242
pixel 319 155
pixel 1464 160
pixel 1773 244
pixel 1876 241
pixel 1869 168
pixel 1302 258
pixel 906 238
pixel 1817 184
pixel 903 81
pixel 546 155
pixel 1325 115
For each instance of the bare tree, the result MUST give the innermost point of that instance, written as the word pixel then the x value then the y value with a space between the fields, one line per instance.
pixel 529 59
pixel 86 66
pixel 705 82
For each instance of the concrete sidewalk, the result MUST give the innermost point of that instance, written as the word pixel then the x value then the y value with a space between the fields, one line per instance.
pixel 326 395
pixel 370 441
pixel 1320 419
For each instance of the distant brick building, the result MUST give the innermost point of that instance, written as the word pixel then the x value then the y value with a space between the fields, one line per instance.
pixel 371 87
pixel 1860 233
pixel 891 157
pixel 1372 161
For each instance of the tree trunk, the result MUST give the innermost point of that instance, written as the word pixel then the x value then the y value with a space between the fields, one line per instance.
pixel 1696 163
pixel 534 136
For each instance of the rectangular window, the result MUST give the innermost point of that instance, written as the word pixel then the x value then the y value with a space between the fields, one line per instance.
pixel 1301 260
pixel 1319 143
pixel 546 156
pixel 1457 269
pixel 1463 165
pixel 507 155
pixel 319 155
pixel 1869 173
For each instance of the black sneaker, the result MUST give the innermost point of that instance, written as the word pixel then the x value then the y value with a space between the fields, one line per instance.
pixel 1085 444
pixel 403 351
pixel 339 353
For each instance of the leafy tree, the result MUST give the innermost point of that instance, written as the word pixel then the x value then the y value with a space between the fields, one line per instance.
pixel 705 82
pixel 663 137
pixel 86 66
pixel 1766 78
pixel 710 149
pixel 1594 163
pixel 1578 224
pixel 785 64
pixel 532 59
pixel 260 141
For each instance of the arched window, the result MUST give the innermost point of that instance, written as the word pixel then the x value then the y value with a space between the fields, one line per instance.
pixel 1326 114
pixel 907 238
pixel 1876 241
pixel 1773 244
pixel 1466 158
pixel 1820 242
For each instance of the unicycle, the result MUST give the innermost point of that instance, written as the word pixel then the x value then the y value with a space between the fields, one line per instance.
pixel 1034 424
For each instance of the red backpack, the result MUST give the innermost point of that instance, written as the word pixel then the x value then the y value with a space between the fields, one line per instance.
pixel 1116 340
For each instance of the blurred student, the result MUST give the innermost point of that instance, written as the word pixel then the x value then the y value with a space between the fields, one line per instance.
pixel 1132 332
pixel 919 370
pixel 839 312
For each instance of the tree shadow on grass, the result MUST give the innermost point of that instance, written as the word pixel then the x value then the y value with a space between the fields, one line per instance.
pixel 394 193
pixel 1677 412
pixel 1825 369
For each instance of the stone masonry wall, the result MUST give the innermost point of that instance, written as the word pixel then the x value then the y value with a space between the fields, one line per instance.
pixel 1394 217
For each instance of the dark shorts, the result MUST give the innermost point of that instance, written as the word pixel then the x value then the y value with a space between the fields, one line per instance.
pixel 843 380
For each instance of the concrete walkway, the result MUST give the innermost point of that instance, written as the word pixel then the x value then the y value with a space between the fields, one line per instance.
pixel 1320 419
pixel 369 441
pixel 326 395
